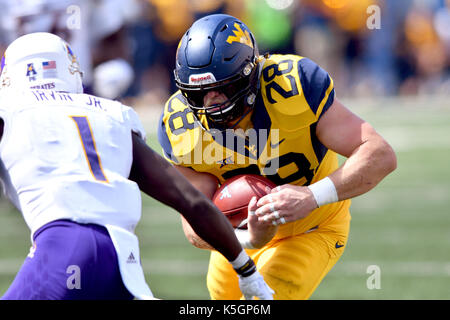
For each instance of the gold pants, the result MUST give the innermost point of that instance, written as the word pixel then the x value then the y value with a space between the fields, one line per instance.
pixel 293 267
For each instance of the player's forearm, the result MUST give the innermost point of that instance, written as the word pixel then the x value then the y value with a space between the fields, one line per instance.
pixel 206 184
pixel 192 237
pixel 210 228
pixel 364 169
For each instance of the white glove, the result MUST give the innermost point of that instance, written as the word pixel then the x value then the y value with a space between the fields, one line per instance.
pixel 255 286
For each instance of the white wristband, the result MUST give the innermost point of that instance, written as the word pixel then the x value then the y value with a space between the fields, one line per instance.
pixel 244 238
pixel 241 259
pixel 324 192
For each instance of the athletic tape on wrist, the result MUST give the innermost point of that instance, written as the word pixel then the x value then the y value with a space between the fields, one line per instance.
pixel 324 192
pixel 243 265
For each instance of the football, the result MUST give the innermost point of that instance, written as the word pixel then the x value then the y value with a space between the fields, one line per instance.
pixel 234 194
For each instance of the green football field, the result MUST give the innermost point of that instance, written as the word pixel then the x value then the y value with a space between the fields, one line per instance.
pixel 399 246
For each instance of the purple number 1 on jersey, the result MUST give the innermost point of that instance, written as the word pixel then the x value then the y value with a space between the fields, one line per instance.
pixel 90 150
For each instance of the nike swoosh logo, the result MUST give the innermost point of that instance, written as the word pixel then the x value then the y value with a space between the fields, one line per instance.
pixel 273 146
pixel 337 245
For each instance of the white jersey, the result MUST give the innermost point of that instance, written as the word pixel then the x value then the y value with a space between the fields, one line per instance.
pixel 68 156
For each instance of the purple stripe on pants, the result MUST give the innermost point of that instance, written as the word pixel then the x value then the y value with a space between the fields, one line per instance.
pixel 71 261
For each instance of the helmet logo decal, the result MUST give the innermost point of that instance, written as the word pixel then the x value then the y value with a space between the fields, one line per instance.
pixel 31 72
pixel 49 69
pixel 202 78
pixel 240 36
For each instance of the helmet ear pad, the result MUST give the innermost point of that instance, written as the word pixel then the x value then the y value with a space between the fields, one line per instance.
pixel 218 53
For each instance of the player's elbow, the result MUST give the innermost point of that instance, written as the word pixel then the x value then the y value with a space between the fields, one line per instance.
pixel 193 240
pixel 384 160
pixel 192 236
pixel 389 158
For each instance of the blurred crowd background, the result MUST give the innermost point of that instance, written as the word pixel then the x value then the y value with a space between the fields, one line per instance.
pixel 127 47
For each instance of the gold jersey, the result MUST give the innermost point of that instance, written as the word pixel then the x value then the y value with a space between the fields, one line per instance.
pixel 276 140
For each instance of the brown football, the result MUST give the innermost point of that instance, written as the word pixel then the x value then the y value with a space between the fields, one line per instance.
pixel 234 194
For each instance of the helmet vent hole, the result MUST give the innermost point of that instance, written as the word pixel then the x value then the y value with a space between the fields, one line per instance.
pixel 227 59
pixel 225 27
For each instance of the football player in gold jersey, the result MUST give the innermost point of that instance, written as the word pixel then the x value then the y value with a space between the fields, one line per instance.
pixel 275 115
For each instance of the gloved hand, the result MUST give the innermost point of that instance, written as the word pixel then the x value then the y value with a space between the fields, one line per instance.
pixel 251 282
pixel 255 286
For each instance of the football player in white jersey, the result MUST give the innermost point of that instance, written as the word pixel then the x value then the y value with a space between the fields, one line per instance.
pixel 74 165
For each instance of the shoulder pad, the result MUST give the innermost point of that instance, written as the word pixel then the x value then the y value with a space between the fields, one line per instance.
pixel 178 131
pixel 295 91
pixel 131 116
